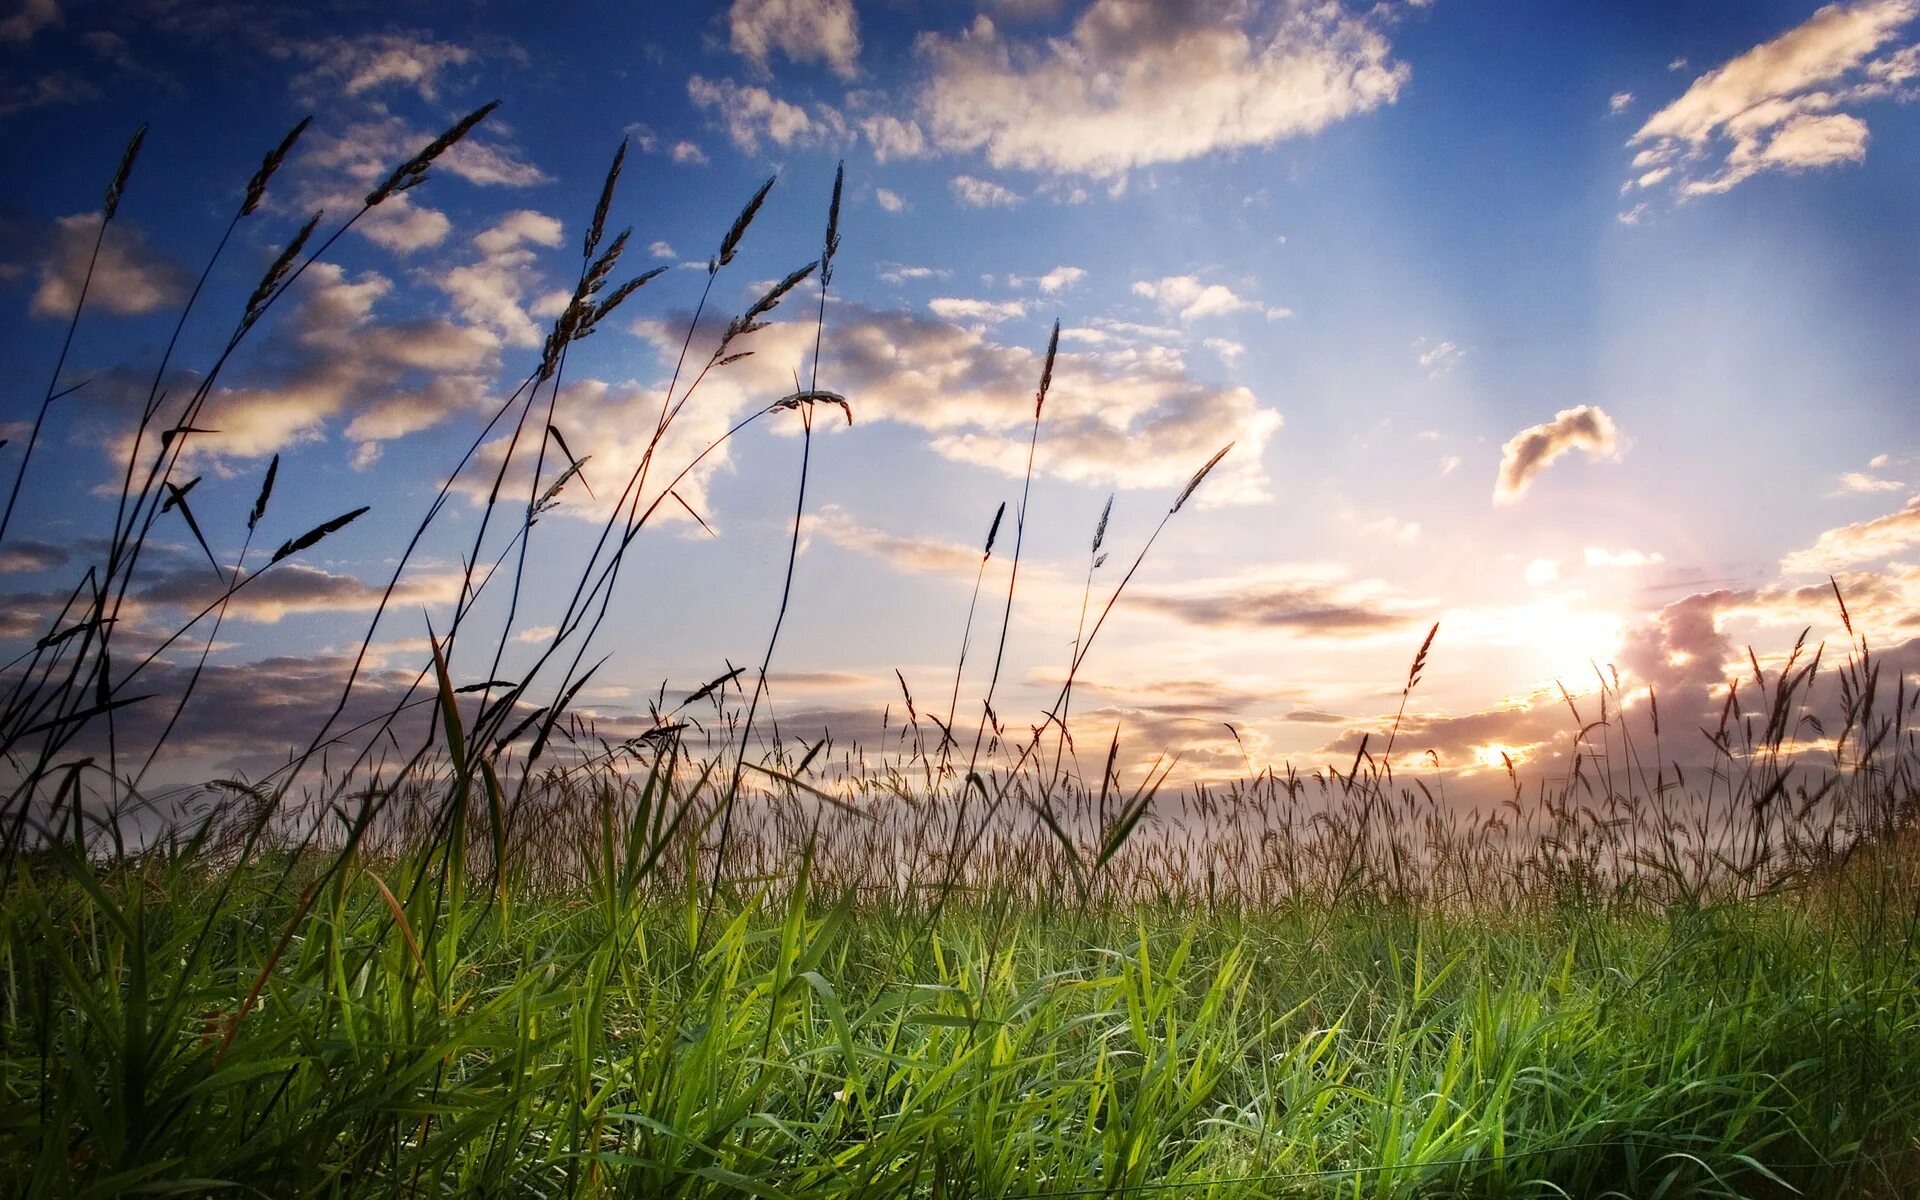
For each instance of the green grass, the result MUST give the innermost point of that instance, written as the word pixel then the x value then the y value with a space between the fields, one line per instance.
pixel 580 1043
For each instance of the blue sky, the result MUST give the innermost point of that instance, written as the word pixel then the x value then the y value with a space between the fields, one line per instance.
pixel 1584 330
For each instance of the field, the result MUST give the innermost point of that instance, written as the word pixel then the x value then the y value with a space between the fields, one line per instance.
pixel 519 960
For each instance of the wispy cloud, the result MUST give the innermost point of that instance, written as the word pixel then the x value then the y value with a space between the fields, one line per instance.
pixel 983 193
pixel 490 292
pixel 903 552
pixel 1861 542
pixel 1308 601
pixel 1777 107
pixel 804 30
pixel 334 362
pixel 988 311
pixel 373 62
pixel 129 278
pixel 1135 83
pixel 1122 415
pixel 893 138
pixel 1860 483
pixel 1437 357
pixel 751 114
pixel 1189 299
pixel 34 15
pixel 1057 280
pixel 25 555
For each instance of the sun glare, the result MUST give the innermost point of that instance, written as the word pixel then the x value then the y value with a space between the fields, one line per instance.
pixel 1495 756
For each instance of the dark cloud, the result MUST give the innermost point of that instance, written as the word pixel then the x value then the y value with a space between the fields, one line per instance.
pixel 23 555
pixel 1314 610
pixel 1530 451
pixel 1314 717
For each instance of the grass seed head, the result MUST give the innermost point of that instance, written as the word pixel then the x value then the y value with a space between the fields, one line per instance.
pixel 1194 483
pixel 730 244
pixel 1046 372
pixel 269 284
pixel 266 493
pixel 257 186
pixel 412 172
pixel 599 224
pixel 832 245
pixel 119 185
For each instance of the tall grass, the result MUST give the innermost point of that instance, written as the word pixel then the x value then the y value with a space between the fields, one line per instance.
pixel 519 958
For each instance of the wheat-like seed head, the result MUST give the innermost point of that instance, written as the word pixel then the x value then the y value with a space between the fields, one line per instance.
pixel 257 186
pixel 410 173
pixel 730 244
pixel 119 185
pixel 1194 483
pixel 599 224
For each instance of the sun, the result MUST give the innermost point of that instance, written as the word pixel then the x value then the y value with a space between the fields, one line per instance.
pixel 1495 756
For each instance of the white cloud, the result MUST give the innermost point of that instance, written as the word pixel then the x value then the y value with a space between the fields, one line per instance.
pixel 1861 542
pixel 373 62
pixel 1449 464
pixel 1439 357
pixel 983 193
pixel 613 421
pixel 489 165
pixel 1122 417
pixel 989 311
pixel 130 277
pixel 1529 452
pixel 1775 107
pixel 404 227
pixel 752 113
pixel 1619 102
pixel 1228 350
pixel 1542 571
pixel 804 30
pixel 1058 279
pixel 1190 299
pixel 331 361
pixel 889 200
pixel 661 250
pixel 689 152
pixel 900 274
pixel 1857 482
pixel 338 169
pixel 893 138
pixel 489 292
pixel 1138 82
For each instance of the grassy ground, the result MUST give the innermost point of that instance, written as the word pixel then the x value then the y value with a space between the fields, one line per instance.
pixel 400 1042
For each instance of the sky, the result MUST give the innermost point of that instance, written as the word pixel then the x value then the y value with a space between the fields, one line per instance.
pixel 1585 331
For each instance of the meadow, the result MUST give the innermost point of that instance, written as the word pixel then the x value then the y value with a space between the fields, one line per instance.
pixel 473 946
